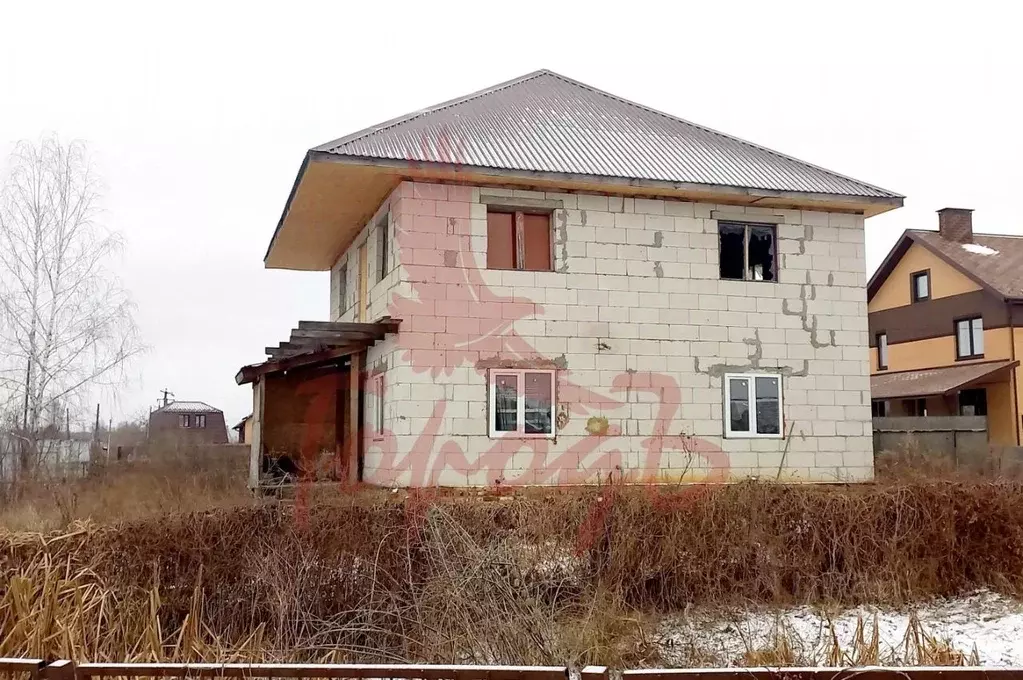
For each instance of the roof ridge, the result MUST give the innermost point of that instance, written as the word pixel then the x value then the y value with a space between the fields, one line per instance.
pixel 714 131
pixel 388 124
pixel 976 233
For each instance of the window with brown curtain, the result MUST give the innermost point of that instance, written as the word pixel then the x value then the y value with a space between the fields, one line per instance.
pixel 519 240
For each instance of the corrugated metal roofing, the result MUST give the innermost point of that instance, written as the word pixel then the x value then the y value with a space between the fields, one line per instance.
pixel 545 122
pixel 188 407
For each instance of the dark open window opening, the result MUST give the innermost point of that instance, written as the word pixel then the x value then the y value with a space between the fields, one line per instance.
pixel 882 351
pixel 879 408
pixel 382 247
pixel 519 240
pixel 920 283
pixel 915 407
pixel 747 251
pixel 969 338
pixel 973 402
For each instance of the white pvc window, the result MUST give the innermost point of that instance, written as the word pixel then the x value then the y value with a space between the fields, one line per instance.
pixel 753 406
pixel 970 338
pixel 521 403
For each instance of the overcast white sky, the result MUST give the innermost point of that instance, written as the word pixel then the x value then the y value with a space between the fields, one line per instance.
pixel 198 115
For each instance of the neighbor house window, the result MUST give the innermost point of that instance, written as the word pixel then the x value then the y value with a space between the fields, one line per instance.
pixel 342 288
pixel 186 420
pixel 382 247
pixel 879 408
pixel 521 403
pixel 914 407
pixel 882 351
pixel 969 338
pixel 747 251
pixel 973 402
pixel 921 284
pixel 200 420
pixel 519 240
pixel 752 405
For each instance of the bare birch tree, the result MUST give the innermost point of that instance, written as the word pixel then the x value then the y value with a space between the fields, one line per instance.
pixel 66 324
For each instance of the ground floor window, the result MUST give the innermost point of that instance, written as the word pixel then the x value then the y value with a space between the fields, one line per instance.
pixel 916 408
pixel 879 408
pixel 973 402
pixel 752 405
pixel 521 403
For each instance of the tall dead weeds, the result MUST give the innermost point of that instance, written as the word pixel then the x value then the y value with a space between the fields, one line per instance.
pixel 536 579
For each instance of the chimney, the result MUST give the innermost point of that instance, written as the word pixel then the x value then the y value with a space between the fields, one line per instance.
pixel 956 224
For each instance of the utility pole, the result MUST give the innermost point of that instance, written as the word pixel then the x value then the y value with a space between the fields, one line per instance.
pixel 165 392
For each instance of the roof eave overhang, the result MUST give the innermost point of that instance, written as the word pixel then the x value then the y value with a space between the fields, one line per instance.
pixel 396 170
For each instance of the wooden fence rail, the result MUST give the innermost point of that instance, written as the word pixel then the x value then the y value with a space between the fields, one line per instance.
pixel 38 669
pixel 859 673
pixel 68 670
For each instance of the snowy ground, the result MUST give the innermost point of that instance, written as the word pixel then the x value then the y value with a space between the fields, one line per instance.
pixel 990 624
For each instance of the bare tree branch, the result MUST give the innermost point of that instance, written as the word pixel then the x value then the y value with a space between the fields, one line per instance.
pixel 66 324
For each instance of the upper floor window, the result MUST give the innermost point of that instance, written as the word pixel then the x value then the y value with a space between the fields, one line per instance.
pixel 878 408
pixel 969 338
pixel 200 420
pixel 747 251
pixel 921 284
pixel 185 420
pixel 519 240
pixel 882 351
pixel 342 288
pixel 382 247
pixel 752 405
pixel 521 403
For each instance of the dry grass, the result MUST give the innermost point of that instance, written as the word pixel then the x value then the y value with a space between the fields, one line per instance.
pixel 918 647
pixel 567 576
pixel 128 491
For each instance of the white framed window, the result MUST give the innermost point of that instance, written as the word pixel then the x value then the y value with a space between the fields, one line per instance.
pixel 379 415
pixel 522 403
pixel 753 406
pixel 970 338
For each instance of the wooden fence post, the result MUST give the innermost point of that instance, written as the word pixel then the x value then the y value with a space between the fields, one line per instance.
pixel 59 670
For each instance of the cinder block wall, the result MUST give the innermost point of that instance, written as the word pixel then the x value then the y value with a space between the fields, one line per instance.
pixel 641 329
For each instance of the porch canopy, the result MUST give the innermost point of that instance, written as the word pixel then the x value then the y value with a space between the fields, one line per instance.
pixel 318 342
pixel 930 382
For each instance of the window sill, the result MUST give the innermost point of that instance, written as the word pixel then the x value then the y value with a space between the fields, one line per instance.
pixel 521 435
pixel 970 357
pixel 752 435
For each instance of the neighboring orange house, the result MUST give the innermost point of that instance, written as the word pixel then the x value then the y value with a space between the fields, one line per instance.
pixel 944 308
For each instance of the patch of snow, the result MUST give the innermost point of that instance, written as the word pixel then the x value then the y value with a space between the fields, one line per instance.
pixel 978 249
pixel 986 622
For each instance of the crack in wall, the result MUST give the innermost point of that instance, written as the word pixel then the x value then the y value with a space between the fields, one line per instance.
pixel 658 239
pixel 753 363
pixel 808 321
pixel 563 238
pixel 658 270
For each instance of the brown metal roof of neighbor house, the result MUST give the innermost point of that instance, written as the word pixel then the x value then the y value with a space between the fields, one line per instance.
pixel 545 122
pixel 994 261
pixel 932 381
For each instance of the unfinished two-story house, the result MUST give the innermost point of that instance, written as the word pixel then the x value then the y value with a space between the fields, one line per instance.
pixel 543 283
